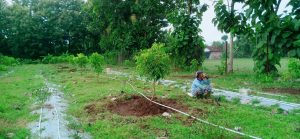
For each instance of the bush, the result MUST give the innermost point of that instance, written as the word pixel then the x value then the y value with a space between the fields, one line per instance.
pixel 221 68
pixel 3 68
pixel 194 65
pixel 153 63
pixel 111 57
pixel 8 61
pixel 64 58
pixel 81 60
pixel 97 62
pixel 294 67
pixel 128 63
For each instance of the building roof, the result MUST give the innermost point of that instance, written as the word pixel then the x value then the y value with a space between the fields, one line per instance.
pixel 215 49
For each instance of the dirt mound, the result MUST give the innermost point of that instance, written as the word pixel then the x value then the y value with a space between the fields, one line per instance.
pixel 292 91
pixel 139 106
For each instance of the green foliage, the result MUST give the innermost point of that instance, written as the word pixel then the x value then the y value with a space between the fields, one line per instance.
pixel 81 60
pixel 97 62
pixel 228 20
pixel 218 44
pixel 3 68
pixel 186 18
pixel 221 68
pixel 243 46
pixel 275 35
pixel 194 65
pixel 128 63
pixel 153 63
pixel 294 67
pixel 265 78
pixel 40 27
pixel 8 61
pixel 127 26
pixel 50 59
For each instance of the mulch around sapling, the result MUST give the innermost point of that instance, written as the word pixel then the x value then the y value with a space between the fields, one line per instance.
pixel 139 106
pixel 293 91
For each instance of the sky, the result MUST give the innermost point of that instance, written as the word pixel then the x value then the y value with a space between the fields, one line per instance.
pixel 209 32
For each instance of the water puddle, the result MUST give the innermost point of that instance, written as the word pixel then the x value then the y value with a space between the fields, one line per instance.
pixel 52 123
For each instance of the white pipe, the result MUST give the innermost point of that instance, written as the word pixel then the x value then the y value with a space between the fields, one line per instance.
pixel 58 122
pixel 40 122
pixel 203 121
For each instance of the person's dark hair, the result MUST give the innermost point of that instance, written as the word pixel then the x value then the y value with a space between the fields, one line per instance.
pixel 198 73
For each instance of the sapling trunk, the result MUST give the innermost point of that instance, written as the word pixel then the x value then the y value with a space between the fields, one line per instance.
pixel 153 94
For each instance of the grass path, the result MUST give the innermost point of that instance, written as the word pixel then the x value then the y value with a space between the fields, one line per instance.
pixel 82 89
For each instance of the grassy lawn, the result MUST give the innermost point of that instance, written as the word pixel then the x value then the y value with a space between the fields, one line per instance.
pixel 83 88
pixel 87 89
pixel 244 77
pixel 17 91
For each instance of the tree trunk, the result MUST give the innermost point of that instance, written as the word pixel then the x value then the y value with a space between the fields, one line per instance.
pixel 267 65
pixel 153 93
pixel 226 57
pixel 230 64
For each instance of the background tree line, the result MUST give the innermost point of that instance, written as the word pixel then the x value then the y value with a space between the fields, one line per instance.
pixel 121 28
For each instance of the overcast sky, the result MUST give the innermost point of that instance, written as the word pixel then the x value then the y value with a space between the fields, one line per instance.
pixel 209 31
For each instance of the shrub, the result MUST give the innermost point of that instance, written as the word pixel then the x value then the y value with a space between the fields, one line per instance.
pixel 97 62
pixel 294 67
pixel 81 60
pixel 111 57
pixel 128 63
pixel 64 58
pixel 153 63
pixel 221 68
pixel 8 61
pixel 3 68
pixel 194 65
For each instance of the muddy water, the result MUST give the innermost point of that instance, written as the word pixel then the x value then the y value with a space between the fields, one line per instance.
pixel 52 123
pixel 229 95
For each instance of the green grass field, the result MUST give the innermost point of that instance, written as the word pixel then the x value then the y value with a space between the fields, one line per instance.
pixel 18 93
pixel 84 88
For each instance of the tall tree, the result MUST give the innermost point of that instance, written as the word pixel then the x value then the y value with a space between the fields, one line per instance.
pixel 266 23
pixel 3 26
pixel 186 18
pixel 128 26
pixel 228 20
pixel 40 27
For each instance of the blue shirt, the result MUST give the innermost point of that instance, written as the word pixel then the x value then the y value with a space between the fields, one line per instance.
pixel 200 85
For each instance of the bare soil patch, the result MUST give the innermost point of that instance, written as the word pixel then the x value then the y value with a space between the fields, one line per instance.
pixel 139 106
pixel 293 91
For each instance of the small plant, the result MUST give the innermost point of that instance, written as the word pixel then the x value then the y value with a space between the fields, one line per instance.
pixel 81 60
pixel 97 62
pixel 221 68
pixel 153 63
pixel 194 65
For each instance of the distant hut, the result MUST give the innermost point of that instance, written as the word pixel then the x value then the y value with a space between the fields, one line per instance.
pixel 213 52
